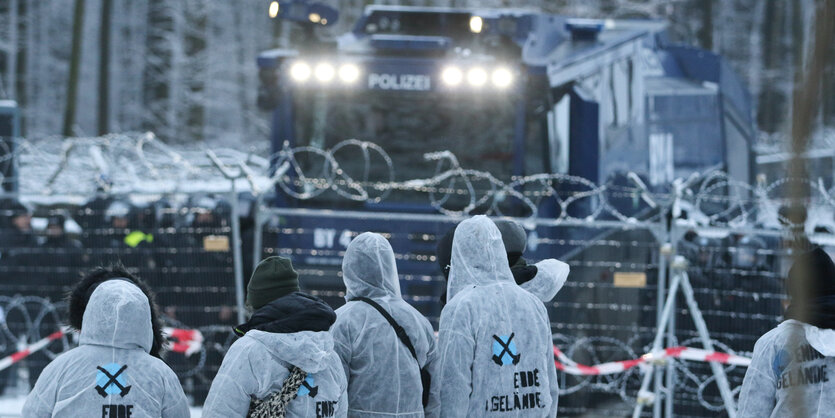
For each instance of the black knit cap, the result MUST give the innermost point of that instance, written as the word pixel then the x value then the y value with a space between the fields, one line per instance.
pixel 514 237
pixel 820 275
pixel 273 278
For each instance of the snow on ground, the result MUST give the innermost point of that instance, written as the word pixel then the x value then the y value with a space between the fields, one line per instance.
pixel 10 407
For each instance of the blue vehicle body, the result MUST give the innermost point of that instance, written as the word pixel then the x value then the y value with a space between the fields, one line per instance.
pixel 589 98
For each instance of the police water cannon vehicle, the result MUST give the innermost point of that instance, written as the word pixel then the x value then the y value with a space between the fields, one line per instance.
pixel 510 92
pixel 676 109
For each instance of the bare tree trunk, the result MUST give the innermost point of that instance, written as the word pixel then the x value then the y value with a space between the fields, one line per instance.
pixel 241 16
pixel 808 80
pixel 104 67
pixel 176 86
pixel 14 46
pixel 75 62
pixel 773 104
pixel 706 31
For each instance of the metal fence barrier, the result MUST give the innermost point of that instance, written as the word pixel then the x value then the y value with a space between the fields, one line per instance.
pixel 608 311
pixel 610 308
pixel 699 264
pixel 181 245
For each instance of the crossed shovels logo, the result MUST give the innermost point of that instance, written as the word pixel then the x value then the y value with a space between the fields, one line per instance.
pixel 504 350
pixel 307 387
pixel 111 379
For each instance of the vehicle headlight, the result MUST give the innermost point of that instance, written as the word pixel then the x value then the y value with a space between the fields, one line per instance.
pixel 502 77
pixel 324 72
pixel 349 73
pixel 476 24
pixel 477 77
pixel 300 71
pixel 452 76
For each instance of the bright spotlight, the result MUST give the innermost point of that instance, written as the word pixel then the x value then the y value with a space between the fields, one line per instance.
pixel 476 24
pixel 324 72
pixel 349 73
pixel 273 9
pixel 452 76
pixel 477 77
pixel 314 17
pixel 300 71
pixel 502 77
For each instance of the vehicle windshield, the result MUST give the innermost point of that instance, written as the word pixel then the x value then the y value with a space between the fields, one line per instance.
pixel 478 129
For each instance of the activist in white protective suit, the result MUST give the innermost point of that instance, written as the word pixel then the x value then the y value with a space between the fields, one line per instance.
pixel 285 338
pixel 544 279
pixel 384 378
pixel 790 371
pixel 495 354
pixel 110 373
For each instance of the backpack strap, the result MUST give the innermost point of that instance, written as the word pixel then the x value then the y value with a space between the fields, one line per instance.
pixel 275 404
pixel 401 333
pixel 425 376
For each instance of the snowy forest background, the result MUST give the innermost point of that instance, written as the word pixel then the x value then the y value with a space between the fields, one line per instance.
pixel 185 69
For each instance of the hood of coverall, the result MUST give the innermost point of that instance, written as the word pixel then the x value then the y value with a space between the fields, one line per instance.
pixel 369 268
pixel 478 256
pixel 118 315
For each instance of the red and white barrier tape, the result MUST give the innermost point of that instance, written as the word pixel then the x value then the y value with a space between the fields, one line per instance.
pixel 37 346
pixel 185 341
pixel 190 341
pixel 571 367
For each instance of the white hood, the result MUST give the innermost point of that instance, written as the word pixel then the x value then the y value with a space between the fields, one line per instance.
pixel 118 315
pixel 478 256
pixel 550 277
pixel 308 350
pixel 369 269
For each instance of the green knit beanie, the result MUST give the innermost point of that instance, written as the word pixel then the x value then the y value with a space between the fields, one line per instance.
pixel 273 278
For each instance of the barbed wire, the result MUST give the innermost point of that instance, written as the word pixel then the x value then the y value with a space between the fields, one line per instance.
pixel 139 162
pixel 35 317
pixel 116 163
pixel 30 314
pixel 362 172
pixel 696 383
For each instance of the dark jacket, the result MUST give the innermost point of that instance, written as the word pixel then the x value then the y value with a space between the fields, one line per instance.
pixel 292 313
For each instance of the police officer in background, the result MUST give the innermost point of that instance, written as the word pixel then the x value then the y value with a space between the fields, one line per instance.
pixel 16 237
pixel 105 231
pixel 17 244
pixel 54 270
pixel 208 264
